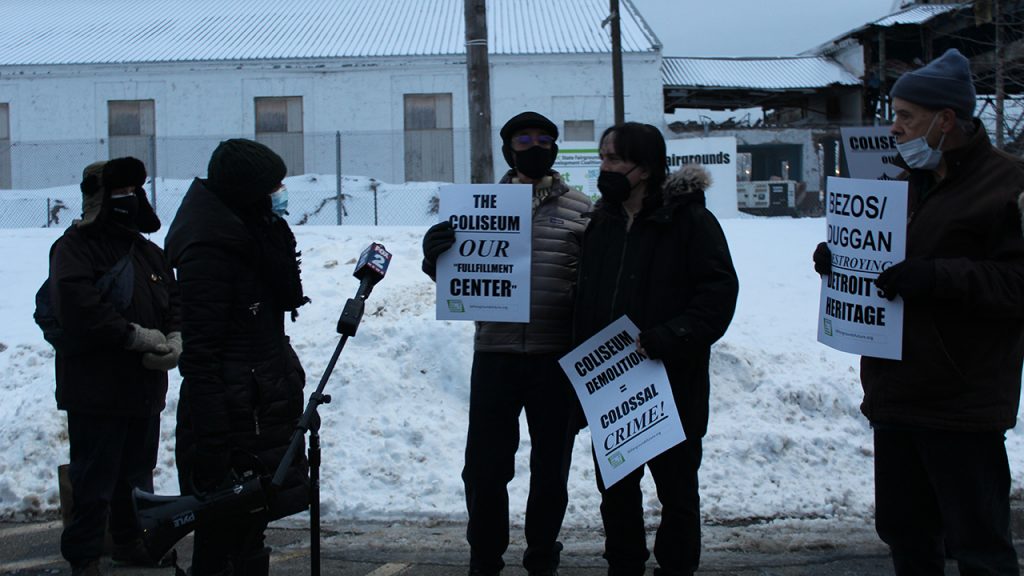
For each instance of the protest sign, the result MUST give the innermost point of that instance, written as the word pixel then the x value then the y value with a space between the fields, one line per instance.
pixel 486 274
pixel 870 152
pixel 626 397
pixel 867 233
pixel 579 163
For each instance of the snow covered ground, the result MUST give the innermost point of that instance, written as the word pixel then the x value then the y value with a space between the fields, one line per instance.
pixel 786 439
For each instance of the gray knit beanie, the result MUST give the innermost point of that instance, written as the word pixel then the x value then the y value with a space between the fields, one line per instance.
pixel 942 83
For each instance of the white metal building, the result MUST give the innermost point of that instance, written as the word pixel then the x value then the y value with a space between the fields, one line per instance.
pixel 166 80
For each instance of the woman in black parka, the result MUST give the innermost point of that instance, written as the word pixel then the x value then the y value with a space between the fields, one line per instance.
pixel 242 389
pixel 655 253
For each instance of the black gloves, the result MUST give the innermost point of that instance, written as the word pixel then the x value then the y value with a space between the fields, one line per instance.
pixel 658 342
pixel 822 259
pixel 912 279
pixel 438 239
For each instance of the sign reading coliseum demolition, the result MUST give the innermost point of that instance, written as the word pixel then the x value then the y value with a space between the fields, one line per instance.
pixel 486 274
pixel 867 233
pixel 626 397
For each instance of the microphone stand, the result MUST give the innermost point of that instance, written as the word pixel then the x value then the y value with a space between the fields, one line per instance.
pixel 348 323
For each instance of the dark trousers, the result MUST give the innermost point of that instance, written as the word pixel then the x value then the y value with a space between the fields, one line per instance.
pixel 110 455
pixel 677 543
pixel 942 493
pixel 502 386
pixel 230 548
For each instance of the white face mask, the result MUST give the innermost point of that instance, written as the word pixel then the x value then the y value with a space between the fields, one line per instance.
pixel 918 154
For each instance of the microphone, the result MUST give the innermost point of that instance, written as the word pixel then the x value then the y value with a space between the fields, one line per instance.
pixel 370 269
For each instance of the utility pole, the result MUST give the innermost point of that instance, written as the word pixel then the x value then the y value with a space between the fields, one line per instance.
pixel 478 79
pixel 620 112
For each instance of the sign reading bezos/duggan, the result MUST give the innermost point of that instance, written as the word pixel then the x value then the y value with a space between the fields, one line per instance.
pixel 867 233
pixel 486 274
pixel 626 397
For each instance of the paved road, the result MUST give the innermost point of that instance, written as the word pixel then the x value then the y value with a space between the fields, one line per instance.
pixel 789 548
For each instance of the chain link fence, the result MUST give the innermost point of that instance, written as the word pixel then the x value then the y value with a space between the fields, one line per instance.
pixel 334 179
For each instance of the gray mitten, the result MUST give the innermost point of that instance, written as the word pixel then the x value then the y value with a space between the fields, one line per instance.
pixel 142 339
pixel 166 361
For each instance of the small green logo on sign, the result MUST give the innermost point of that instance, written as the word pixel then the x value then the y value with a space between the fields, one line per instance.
pixel 828 327
pixel 616 459
pixel 456 307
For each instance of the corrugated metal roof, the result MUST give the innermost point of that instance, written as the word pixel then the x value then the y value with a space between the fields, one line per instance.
pixel 40 32
pixel 917 14
pixel 755 73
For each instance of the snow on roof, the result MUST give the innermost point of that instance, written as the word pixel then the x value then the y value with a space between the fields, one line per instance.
pixel 43 32
pixel 755 73
pixel 917 14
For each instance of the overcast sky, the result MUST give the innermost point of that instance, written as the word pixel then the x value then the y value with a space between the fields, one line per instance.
pixel 754 27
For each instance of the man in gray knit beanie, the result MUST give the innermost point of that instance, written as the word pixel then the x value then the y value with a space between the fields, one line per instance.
pixel 943 83
pixel 940 413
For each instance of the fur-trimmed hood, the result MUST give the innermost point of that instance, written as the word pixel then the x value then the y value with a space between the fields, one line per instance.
pixel 690 178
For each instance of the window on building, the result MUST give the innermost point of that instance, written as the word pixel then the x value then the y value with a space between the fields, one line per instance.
pixel 131 126
pixel 429 151
pixel 578 131
pixel 774 161
pixel 279 126
pixel 5 146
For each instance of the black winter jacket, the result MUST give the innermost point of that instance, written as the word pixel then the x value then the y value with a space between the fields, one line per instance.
pixel 242 389
pixel 671 267
pixel 962 349
pixel 95 374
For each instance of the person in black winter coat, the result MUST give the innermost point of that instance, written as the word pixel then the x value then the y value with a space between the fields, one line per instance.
pixel 242 389
pixel 114 296
pixel 656 254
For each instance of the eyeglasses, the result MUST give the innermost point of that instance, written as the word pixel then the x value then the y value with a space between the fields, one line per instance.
pixel 526 140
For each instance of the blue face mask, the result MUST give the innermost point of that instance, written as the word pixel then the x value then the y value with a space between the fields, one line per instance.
pixel 279 201
pixel 918 154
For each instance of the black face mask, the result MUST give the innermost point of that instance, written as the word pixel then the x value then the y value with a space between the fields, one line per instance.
pixel 615 186
pixel 534 162
pixel 123 210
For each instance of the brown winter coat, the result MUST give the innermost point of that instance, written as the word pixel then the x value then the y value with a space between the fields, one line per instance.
pixel 963 348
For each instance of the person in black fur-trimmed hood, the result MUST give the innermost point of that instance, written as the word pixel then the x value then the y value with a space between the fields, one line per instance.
pixel 242 388
pixel 114 297
pixel 515 366
pixel 656 254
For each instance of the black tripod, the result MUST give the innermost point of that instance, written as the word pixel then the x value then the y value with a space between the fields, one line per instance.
pixel 310 421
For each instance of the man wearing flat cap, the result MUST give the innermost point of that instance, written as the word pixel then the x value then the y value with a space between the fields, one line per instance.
pixel 114 297
pixel 515 366
pixel 939 415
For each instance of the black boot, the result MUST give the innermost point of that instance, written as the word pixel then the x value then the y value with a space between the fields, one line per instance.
pixel 89 568
pixel 256 564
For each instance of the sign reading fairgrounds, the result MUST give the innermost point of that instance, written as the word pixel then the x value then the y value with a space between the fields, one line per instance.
pixel 676 160
pixel 718 156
